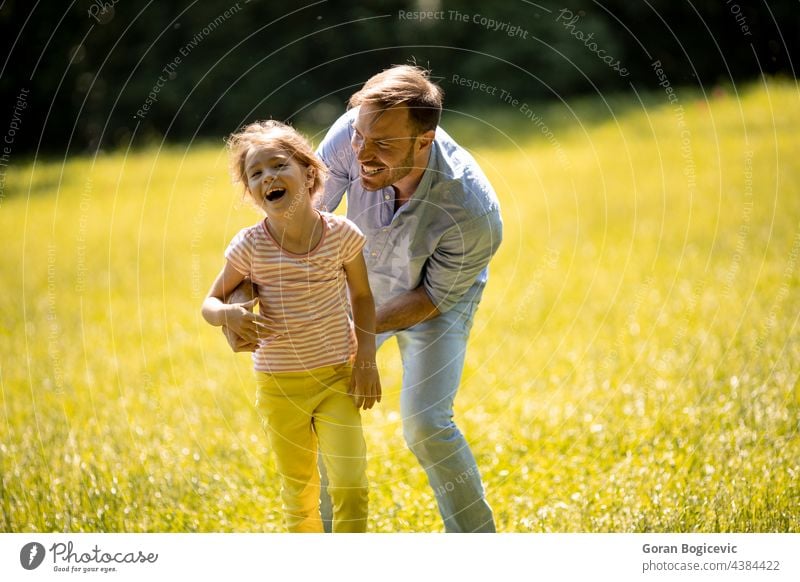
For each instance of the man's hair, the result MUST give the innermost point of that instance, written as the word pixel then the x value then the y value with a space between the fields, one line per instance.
pixel 405 85
pixel 277 135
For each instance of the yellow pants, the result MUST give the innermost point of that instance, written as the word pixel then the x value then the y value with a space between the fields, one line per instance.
pixel 300 409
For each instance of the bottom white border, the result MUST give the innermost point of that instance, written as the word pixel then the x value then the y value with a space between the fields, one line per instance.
pixel 401 557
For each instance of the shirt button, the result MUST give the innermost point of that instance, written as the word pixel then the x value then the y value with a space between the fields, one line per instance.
pixel 386 197
pixel 374 254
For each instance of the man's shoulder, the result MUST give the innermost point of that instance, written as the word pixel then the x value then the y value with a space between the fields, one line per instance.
pixel 343 125
pixel 459 179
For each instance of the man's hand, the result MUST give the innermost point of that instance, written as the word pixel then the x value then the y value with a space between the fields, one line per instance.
pixel 246 325
pixel 365 384
pixel 235 341
pixel 230 303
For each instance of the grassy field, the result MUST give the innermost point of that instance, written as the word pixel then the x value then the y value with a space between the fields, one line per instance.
pixel 633 367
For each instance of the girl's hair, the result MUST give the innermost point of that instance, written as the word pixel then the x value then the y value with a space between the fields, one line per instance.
pixel 277 135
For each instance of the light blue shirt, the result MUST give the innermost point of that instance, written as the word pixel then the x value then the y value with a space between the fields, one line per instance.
pixel 442 238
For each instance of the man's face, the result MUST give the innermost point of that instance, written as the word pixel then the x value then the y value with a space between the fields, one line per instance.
pixel 384 143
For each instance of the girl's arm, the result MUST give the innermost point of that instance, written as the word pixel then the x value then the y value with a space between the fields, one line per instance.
pixel 235 316
pixel 365 386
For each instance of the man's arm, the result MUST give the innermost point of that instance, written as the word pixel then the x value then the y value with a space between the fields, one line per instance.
pixel 452 269
pixel 406 310
pixel 462 253
pixel 236 316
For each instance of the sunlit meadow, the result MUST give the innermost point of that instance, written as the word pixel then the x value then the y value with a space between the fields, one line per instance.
pixel 633 366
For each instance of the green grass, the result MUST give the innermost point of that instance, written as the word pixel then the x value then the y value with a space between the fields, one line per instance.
pixel 633 366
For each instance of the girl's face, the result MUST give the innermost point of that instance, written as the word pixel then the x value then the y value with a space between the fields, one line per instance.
pixel 276 180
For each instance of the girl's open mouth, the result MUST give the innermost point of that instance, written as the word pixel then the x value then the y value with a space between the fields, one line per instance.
pixel 275 194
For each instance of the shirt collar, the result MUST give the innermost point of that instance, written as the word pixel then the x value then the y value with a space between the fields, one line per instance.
pixel 426 182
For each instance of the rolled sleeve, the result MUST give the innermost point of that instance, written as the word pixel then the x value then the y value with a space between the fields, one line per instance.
pixel 462 254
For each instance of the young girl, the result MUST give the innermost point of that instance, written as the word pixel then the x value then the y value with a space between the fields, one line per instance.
pixel 313 369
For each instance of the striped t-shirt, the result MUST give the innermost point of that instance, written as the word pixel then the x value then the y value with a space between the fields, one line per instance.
pixel 303 296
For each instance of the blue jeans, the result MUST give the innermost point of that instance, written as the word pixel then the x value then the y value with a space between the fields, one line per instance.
pixel 433 359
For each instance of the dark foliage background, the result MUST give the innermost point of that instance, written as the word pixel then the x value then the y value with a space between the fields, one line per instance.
pixel 89 66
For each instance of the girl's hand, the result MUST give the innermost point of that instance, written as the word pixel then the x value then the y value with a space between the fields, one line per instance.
pixel 365 384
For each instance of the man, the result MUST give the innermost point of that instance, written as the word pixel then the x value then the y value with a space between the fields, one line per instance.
pixel 432 223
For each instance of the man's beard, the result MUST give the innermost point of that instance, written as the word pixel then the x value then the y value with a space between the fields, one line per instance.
pixel 395 174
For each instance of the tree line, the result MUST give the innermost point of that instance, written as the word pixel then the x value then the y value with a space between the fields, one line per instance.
pixel 108 73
